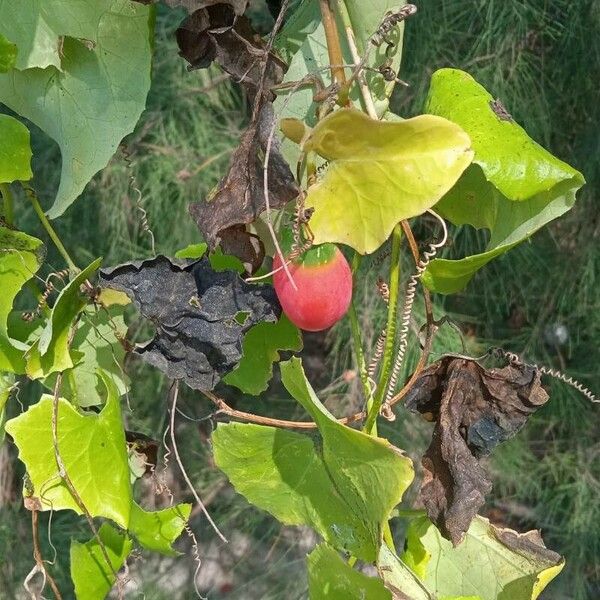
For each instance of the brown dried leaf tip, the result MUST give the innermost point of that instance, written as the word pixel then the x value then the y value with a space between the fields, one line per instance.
pixel 474 409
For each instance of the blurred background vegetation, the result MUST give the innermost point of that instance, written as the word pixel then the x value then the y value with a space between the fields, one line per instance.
pixel 542 59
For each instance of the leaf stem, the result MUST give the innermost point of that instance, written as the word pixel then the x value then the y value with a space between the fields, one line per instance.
pixel 334 49
pixel 390 330
pixel 49 229
pixel 7 196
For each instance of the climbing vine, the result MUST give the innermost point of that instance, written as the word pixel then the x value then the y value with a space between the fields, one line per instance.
pixel 325 177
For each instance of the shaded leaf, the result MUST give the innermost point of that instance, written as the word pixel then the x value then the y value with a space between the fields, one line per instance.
pixel 15 150
pixel 474 410
pixel 143 453
pixel 491 563
pixel 92 447
pixel 380 173
pixel 261 348
pixel 20 258
pixel 344 485
pixel 157 530
pixel 239 197
pixel 513 188
pixel 94 86
pixel 7 385
pixel 193 308
pixel 8 54
pixel 50 353
pixel 329 576
pixel 91 575
pixel 238 6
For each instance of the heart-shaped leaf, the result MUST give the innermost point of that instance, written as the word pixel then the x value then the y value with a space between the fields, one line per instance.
pixel 380 173
pixel 344 485
pixel 513 188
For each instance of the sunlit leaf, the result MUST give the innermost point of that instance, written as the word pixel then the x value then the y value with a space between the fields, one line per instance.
pixel 8 54
pixel 50 353
pixel 490 563
pixel 7 384
pixel 330 577
pixel 192 251
pixel 94 86
pixel 92 447
pixel 15 150
pixel 20 258
pixel 90 572
pixel 344 485
pixel 399 577
pixel 380 173
pixel 157 530
pixel 260 349
pixel 513 188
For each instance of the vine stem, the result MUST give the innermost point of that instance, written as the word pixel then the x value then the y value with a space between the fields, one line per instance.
pixel 65 477
pixel 357 340
pixel 175 393
pixel 334 49
pixel 390 330
pixel 37 555
pixel 39 211
pixel 362 84
pixel 8 198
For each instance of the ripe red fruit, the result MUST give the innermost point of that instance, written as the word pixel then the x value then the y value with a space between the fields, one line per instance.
pixel 324 281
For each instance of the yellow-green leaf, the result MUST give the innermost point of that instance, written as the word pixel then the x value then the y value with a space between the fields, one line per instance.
pixel 380 173
pixel 490 563
pixel 15 150
pixel 93 450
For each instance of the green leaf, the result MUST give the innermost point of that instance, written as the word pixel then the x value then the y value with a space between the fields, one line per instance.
pixel 157 530
pixel 93 449
pixel 95 346
pixel 91 575
pixel 514 187
pixel 8 54
pixel 380 173
pixel 329 576
pixel 7 384
pixel 260 350
pixel 192 251
pixel 50 353
pixel 491 563
pixel 344 485
pixel 398 576
pixel 89 99
pixel 20 258
pixel 15 150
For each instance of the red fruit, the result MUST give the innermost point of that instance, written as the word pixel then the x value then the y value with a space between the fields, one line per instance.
pixel 324 281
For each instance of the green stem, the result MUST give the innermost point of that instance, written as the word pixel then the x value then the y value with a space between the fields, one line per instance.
pixel 357 340
pixel 7 196
pixel 49 229
pixel 390 330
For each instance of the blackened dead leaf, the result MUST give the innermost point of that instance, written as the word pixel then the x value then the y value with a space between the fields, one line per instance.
pixel 218 34
pixel 193 308
pixel 239 198
pixel 474 410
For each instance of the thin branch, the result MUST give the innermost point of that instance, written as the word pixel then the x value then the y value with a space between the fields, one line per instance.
pixel 63 474
pixel 225 409
pixel 334 49
pixel 37 554
pixel 175 394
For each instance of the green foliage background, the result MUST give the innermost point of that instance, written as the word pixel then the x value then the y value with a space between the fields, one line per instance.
pixel 541 58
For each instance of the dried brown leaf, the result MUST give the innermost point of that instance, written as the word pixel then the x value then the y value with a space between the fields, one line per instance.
pixel 239 197
pixel 474 409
